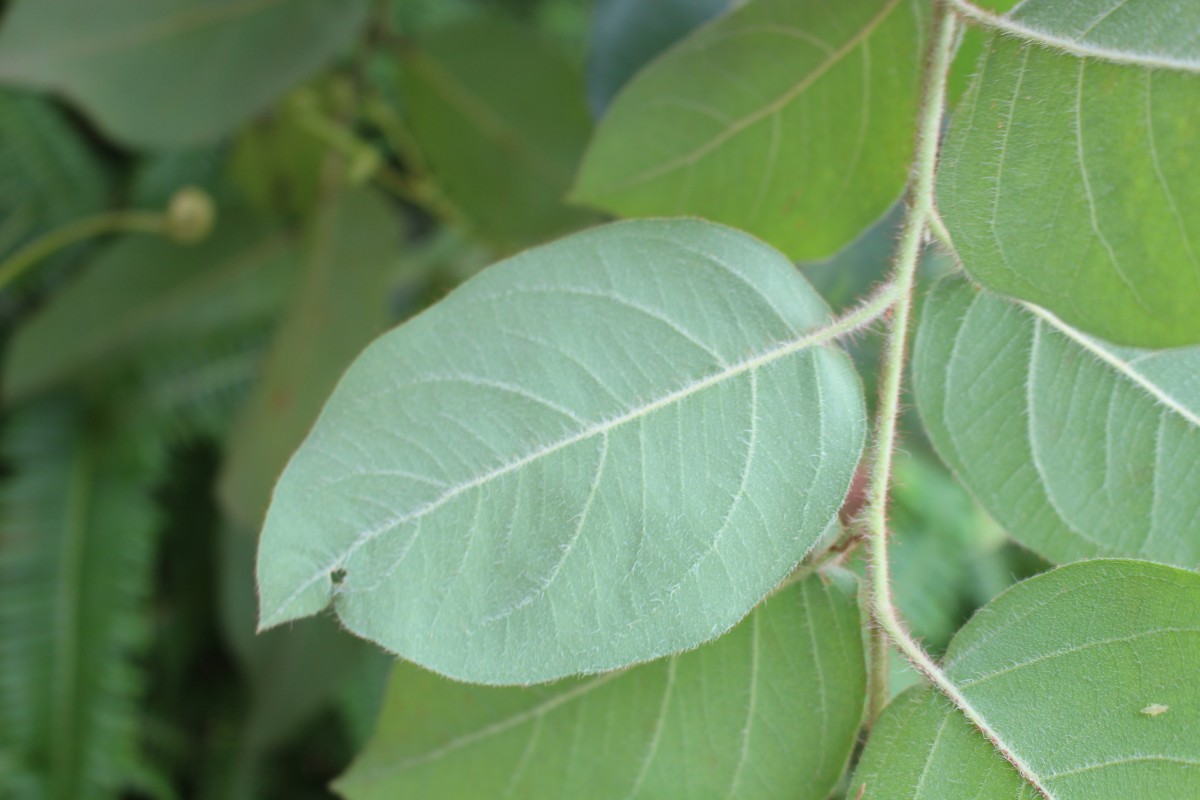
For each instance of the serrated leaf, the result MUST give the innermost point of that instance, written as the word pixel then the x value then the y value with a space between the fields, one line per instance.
pixel 145 294
pixel 1062 667
pixel 502 144
pixel 567 466
pixel 76 561
pixel 1074 183
pixel 628 34
pixel 770 710
pixel 341 304
pixel 1078 448
pixel 788 120
pixel 157 74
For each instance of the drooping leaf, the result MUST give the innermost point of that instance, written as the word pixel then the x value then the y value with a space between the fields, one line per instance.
pixel 1077 447
pixel 173 74
pixel 628 34
pixel 503 144
pixel 788 120
pixel 76 558
pixel 770 710
pixel 146 294
pixel 48 177
pixel 341 304
pixel 1074 183
pixel 567 465
pixel 1085 673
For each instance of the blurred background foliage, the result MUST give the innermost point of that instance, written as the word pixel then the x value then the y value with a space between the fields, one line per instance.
pixel 153 389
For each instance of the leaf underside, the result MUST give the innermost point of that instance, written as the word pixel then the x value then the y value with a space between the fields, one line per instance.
pixel 1066 668
pixel 1077 447
pixel 566 466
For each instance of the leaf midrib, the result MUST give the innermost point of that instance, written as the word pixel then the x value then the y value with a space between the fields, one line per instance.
pixel 778 351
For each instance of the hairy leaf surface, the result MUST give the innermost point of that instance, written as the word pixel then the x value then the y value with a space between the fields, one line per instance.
pixel 771 710
pixel 567 465
pixel 173 73
pixel 1077 447
pixel 1074 183
pixel 788 120
pixel 1086 673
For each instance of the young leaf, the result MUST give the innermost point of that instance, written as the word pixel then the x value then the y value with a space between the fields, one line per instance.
pixel 789 120
pixel 770 710
pixel 567 466
pixel 76 558
pixel 1073 183
pixel 143 293
pixel 1061 667
pixel 341 306
pixel 157 74
pixel 627 34
pixel 1077 447
pixel 503 144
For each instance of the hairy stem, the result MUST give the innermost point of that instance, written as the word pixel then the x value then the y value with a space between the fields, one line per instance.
pixel 916 225
pixel 77 231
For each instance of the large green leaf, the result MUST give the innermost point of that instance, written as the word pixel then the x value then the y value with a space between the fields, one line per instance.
pixel 790 120
pixel 568 465
pixel 148 294
pixel 171 73
pixel 503 144
pixel 76 559
pixel 341 305
pixel 770 710
pixel 627 34
pixel 1078 448
pixel 1075 184
pixel 1086 674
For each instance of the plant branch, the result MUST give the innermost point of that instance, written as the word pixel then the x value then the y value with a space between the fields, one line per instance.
pixel 76 231
pixel 916 225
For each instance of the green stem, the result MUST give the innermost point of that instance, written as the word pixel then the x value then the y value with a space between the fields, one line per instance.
pixel 76 231
pixel 916 225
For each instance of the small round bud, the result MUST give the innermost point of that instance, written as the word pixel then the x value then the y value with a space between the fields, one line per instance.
pixel 190 215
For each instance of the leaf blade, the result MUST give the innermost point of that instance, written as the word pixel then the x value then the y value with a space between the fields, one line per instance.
pixel 798 657
pixel 725 103
pixel 618 352
pixel 1057 434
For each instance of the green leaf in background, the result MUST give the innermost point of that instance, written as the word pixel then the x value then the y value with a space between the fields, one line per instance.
pixel 341 304
pixel 145 294
pixel 770 710
pixel 173 74
pixel 76 562
pixel 1078 448
pixel 48 176
pixel 789 120
pixel 567 466
pixel 1075 184
pixel 628 34
pixel 502 144
pixel 1086 674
